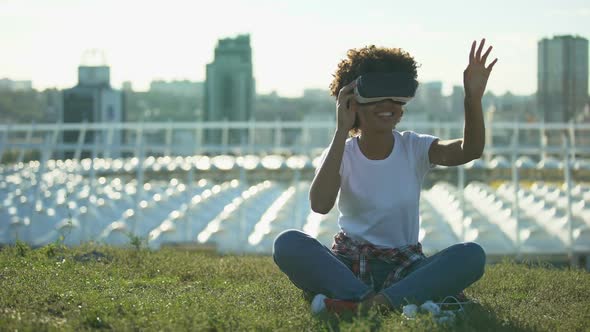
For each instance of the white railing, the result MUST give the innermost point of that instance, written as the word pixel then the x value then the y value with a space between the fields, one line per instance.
pixel 250 137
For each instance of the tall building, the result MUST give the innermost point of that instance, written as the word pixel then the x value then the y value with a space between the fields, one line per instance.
pixel 93 100
pixel 562 77
pixel 229 86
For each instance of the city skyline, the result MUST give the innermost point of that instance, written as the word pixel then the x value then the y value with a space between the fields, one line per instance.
pixel 44 42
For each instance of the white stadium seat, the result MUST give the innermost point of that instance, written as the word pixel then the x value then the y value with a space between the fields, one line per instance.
pixel 99 199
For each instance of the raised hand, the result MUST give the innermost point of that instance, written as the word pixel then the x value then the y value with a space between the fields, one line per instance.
pixel 475 76
pixel 345 112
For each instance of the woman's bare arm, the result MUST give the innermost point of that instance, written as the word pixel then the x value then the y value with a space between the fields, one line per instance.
pixel 326 183
pixel 470 147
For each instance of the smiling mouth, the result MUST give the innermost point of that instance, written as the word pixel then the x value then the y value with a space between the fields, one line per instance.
pixel 385 115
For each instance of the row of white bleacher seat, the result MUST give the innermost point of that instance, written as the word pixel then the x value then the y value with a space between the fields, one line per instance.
pixel 237 216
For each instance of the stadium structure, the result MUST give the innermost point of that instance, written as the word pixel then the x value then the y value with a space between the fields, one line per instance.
pixel 168 185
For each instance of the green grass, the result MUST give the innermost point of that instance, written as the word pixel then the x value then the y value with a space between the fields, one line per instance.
pixel 94 287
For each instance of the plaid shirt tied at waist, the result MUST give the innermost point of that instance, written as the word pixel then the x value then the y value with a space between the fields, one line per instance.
pixel 359 253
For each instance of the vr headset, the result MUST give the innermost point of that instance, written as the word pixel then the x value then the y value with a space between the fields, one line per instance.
pixel 374 87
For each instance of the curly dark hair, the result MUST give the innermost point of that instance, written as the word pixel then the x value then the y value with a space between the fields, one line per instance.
pixel 371 59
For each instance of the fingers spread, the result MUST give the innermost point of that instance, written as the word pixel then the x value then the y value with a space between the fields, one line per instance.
pixel 479 49
pixel 471 54
pixel 485 56
pixel 492 64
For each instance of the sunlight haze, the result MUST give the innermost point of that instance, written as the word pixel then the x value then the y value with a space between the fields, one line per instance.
pixel 295 44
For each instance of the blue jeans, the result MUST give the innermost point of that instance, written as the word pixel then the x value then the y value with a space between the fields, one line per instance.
pixel 314 268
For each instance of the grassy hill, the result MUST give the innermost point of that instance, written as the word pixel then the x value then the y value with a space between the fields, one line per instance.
pixel 96 287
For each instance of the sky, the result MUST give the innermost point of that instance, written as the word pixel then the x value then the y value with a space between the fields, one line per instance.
pixel 296 44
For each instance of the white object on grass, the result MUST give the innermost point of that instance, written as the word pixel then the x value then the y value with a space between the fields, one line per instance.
pixel 445 319
pixel 410 310
pixel 431 307
pixel 317 304
pixel 441 316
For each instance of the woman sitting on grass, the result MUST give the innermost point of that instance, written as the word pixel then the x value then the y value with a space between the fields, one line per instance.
pixel 376 259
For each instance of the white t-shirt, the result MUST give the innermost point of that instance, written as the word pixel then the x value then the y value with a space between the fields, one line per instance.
pixel 378 199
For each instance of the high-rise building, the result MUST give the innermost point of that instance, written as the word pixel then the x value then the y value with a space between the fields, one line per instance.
pixel 562 77
pixel 93 100
pixel 230 87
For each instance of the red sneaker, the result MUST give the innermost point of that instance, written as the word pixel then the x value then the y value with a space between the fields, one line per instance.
pixel 321 303
pixel 340 306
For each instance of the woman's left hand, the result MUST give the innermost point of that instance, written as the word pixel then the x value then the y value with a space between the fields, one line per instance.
pixel 475 77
